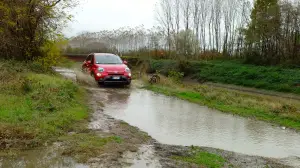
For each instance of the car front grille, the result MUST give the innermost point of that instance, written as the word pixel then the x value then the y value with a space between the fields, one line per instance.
pixel 115 73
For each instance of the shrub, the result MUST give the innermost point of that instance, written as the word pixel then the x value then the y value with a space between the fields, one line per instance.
pixel 176 76
pixel 52 51
pixel 184 66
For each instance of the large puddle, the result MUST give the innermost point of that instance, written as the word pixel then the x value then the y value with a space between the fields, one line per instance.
pixel 176 122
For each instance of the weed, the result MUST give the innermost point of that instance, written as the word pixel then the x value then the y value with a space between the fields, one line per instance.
pixel 202 158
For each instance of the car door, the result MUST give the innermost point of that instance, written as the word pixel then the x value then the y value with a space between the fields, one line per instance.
pixel 93 66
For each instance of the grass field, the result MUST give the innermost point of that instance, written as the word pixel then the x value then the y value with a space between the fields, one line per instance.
pixel 234 72
pixel 36 108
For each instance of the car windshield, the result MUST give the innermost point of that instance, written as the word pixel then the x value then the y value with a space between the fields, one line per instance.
pixel 108 59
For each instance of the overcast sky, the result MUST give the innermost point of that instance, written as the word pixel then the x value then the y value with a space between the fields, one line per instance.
pixel 95 15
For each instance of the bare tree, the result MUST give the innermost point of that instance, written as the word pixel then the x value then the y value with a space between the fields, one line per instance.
pixel 165 19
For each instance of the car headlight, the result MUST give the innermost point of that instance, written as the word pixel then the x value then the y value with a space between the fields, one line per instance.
pixel 127 69
pixel 101 69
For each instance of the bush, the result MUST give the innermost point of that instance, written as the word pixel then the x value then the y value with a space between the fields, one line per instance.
pixel 52 52
pixel 132 61
pixel 184 66
pixel 176 76
pixel 164 66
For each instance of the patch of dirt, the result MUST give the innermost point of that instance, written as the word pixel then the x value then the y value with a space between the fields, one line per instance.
pixel 292 161
pixel 144 157
pixel 120 155
pixel 12 136
pixel 232 159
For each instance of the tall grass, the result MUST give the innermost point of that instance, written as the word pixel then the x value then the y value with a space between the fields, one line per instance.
pixel 234 72
pixel 36 108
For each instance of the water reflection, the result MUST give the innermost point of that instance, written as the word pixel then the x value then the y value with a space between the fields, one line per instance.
pixel 173 121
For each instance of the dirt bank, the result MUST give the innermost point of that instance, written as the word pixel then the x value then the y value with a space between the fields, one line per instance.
pixel 166 152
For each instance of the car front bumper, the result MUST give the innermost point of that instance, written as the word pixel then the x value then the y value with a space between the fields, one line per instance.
pixel 110 80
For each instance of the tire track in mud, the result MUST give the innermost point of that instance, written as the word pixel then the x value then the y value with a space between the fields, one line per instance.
pixel 136 150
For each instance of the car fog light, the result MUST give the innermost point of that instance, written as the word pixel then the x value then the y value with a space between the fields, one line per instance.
pixel 99 74
pixel 129 74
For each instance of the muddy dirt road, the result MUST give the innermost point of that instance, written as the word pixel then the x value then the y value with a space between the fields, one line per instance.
pixel 174 124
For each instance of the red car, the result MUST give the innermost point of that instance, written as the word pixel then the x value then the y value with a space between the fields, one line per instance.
pixel 107 68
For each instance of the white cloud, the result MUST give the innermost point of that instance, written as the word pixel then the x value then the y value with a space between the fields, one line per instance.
pixel 95 15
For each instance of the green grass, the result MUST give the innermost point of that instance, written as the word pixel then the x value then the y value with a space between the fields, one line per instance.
pixel 84 146
pixel 64 62
pixel 282 112
pixel 202 159
pixel 234 72
pixel 129 57
pixel 37 108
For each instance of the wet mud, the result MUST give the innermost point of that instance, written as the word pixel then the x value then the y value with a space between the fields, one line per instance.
pixel 50 157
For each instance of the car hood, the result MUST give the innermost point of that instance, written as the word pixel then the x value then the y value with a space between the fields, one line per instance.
pixel 113 68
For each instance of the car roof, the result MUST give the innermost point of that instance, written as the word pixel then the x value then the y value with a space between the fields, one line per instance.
pixel 102 54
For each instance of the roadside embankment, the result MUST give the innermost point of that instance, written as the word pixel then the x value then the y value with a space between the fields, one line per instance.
pixel 36 108
pixel 273 78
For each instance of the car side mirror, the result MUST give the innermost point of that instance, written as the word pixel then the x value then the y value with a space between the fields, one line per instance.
pixel 125 62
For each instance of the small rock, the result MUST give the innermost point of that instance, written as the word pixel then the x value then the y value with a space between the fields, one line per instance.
pixel 72 133
pixel 283 128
